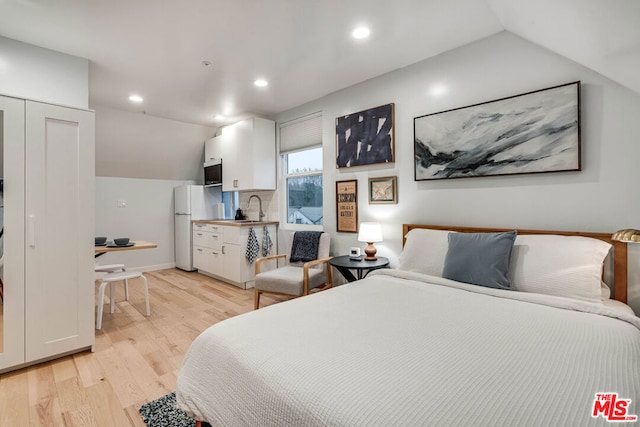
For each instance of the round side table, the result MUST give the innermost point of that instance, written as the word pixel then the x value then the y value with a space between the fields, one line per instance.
pixel 345 264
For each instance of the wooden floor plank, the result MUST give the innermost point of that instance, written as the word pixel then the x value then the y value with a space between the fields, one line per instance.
pixel 47 413
pixel 136 358
pixel 14 401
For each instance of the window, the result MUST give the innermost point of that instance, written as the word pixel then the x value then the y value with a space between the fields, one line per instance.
pixel 301 153
pixel 304 186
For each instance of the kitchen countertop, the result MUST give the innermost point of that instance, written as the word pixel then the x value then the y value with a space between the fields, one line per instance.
pixel 238 223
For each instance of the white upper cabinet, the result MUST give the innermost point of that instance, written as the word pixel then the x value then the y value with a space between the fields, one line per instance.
pixel 249 155
pixel 213 149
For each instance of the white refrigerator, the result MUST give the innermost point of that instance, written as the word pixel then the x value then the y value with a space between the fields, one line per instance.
pixel 192 202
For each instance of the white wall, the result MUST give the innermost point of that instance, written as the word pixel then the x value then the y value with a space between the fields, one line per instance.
pixel 148 216
pixel 140 159
pixel 32 72
pixel 136 145
pixel 601 197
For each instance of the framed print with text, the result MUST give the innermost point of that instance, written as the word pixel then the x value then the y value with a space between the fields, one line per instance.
pixel 347 206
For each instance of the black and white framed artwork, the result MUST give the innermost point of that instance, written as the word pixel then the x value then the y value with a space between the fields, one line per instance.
pixel 365 137
pixel 534 132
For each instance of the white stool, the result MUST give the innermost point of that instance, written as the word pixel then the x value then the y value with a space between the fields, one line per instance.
pixel 111 268
pixel 116 277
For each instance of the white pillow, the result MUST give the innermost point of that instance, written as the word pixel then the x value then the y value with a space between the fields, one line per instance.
pixel 564 266
pixel 425 251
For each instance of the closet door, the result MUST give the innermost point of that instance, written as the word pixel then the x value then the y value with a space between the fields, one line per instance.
pixel 59 282
pixel 12 211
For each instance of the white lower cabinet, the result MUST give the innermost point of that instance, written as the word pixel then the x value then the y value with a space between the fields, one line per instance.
pixel 222 253
pixel 207 246
pixel 48 156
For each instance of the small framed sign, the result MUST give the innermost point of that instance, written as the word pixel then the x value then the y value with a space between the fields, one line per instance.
pixel 383 190
pixel 347 206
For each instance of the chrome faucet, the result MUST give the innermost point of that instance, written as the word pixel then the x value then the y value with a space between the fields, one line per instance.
pixel 261 214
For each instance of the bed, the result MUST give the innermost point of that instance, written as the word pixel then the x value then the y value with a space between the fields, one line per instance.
pixel 412 346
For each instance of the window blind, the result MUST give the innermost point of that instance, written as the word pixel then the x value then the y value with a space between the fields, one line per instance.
pixel 298 134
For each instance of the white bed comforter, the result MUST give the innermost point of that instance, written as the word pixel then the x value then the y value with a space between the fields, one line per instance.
pixel 404 349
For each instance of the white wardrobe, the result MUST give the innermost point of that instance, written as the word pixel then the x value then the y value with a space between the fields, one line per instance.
pixel 48 219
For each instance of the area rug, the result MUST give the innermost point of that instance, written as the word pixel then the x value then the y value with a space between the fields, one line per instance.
pixel 163 412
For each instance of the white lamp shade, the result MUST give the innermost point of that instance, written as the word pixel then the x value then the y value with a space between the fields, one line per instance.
pixel 370 232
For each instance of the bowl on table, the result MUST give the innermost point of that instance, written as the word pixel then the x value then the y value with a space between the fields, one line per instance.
pixel 100 241
pixel 121 241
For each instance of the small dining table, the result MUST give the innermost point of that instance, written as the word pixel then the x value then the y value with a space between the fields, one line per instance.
pixel 137 244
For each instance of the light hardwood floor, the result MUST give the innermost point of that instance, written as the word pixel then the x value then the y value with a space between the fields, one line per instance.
pixel 136 358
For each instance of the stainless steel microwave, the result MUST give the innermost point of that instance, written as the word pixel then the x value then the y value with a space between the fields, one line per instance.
pixel 213 173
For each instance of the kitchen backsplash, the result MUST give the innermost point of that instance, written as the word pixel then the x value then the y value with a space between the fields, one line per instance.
pixel 252 210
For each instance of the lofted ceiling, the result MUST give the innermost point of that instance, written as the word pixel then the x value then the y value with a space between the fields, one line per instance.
pixel 302 47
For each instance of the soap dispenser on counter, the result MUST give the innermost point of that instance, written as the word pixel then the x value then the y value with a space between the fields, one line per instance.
pixel 240 214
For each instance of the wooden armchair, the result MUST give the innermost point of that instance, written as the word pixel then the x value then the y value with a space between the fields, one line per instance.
pixel 295 279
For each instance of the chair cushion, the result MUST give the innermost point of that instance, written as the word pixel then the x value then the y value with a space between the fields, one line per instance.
pixel 288 280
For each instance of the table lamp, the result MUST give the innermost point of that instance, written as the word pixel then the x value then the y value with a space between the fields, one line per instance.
pixel 370 232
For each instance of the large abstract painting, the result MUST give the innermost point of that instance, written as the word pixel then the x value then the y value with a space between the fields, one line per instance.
pixel 529 133
pixel 365 138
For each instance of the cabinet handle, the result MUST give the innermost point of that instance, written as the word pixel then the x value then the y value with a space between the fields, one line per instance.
pixel 31 230
pixel 223 250
pixel 198 234
pixel 199 250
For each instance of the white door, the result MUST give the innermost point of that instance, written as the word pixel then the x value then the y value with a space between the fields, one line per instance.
pixel 12 202
pixel 59 293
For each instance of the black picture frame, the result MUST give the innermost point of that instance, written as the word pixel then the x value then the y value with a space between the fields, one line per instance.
pixel 534 132
pixel 366 137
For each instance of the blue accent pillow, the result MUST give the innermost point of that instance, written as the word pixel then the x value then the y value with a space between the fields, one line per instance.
pixel 480 258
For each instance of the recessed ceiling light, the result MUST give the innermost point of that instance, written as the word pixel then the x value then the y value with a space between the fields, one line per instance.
pixel 261 83
pixel 135 98
pixel 361 33
pixel 218 117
